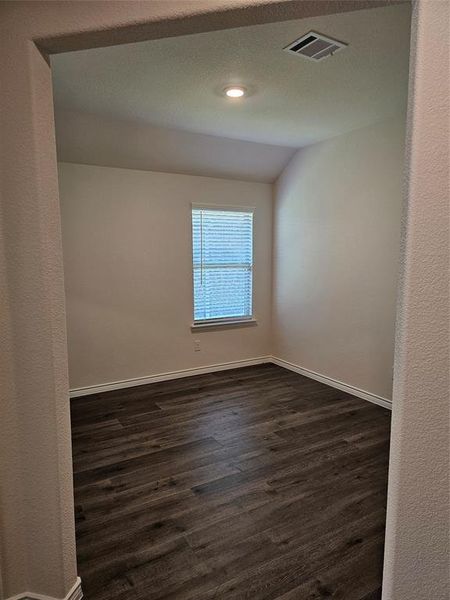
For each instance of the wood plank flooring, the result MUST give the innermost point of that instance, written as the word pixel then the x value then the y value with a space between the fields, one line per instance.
pixel 255 483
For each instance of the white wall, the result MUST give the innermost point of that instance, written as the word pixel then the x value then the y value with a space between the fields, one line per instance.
pixel 336 234
pixel 128 272
pixel 336 250
pixel 417 545
pixel 36 498
pixel 88 139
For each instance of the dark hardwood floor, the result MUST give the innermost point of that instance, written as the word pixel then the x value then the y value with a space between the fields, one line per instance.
pixel 255 483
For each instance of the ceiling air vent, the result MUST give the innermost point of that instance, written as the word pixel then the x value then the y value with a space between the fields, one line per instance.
pixel 315 46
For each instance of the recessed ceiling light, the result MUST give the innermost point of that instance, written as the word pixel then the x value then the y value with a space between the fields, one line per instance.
pixel 235 91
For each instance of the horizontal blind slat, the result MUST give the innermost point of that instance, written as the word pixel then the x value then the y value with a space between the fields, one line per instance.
pixel 222 262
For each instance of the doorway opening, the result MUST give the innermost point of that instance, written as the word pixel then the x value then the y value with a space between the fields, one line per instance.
pixel 231 229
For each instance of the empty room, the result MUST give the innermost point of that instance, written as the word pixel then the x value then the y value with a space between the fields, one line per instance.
pixel 230 207
pixel 224 254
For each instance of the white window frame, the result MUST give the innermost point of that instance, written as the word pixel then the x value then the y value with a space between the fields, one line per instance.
pixel 227 321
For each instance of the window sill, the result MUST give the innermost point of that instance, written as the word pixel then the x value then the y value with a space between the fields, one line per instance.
pixel 223 324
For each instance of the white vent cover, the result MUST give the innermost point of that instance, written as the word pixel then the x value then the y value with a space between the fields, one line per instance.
pixel 315 46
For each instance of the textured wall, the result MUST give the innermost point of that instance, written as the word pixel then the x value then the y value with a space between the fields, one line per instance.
pixel 37 545
pixel 128 272
pixel 417 536
pixel 36 497
pixel 336 252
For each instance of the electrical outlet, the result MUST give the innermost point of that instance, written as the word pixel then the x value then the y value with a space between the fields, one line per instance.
pixel 197 346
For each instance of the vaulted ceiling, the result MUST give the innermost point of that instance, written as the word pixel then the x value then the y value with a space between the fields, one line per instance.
pixel 171 91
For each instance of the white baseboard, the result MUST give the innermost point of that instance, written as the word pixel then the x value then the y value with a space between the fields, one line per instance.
pixel 75 593
pixel 126 383
pixel 236 364
pixel 333 383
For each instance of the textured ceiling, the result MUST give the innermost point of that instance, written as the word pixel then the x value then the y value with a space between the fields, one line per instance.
pixel 177 82
pixel 159 105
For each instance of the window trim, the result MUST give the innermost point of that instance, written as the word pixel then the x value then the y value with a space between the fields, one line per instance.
pixel 224 321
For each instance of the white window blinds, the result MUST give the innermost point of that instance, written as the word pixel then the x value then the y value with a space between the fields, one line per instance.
pixel 222 263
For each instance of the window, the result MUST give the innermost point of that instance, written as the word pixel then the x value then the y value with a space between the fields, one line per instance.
pixel 222 243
